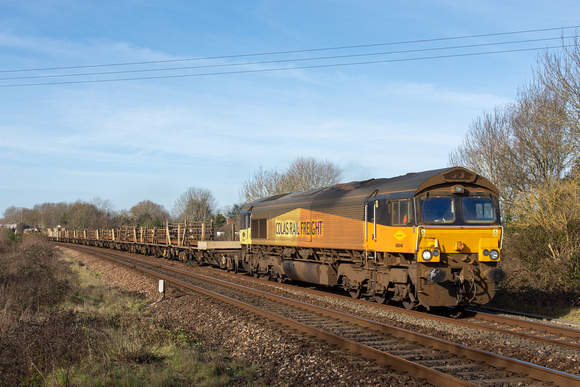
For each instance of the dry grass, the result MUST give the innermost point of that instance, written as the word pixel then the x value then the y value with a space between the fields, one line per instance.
pixel 59 325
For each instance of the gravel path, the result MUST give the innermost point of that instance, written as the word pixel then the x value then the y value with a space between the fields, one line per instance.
pixel 288 358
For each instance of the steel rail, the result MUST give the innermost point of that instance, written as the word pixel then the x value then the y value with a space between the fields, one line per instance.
pixel 565 332
pixel 513 365
pixel 416 370
pixel 521 323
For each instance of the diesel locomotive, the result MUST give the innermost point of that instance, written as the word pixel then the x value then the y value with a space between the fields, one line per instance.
pixel 431 238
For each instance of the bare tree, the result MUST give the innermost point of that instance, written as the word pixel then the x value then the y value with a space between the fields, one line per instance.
pixel 543 147
pixel 195 204
pixel 148 214
pixel 25 217
pixel 81 215
pixel 303 174
pixel 530 150
pixel 13 214
pixel 485 149
pixel 77 215
pixel 559 72
pixel 49 214
pixel 105 212
pixel 123 218
pixel 306 173
pixel 263 183
pixel 521 145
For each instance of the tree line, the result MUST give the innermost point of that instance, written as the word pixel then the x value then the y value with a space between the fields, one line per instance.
pixel 530 149
pixel 195 204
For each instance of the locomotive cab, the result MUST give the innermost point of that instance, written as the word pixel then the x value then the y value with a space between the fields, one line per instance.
pixel 458 245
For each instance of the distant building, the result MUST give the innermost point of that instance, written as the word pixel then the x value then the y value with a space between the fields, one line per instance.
pixel 227 230
pixel 9 225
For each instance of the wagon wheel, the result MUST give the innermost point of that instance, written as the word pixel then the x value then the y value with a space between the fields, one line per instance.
pixel 356 293
pixel 280 278
pixel 382 298
pixel 409 304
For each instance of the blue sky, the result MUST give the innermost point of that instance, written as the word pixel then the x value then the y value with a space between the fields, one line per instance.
pixel 152 139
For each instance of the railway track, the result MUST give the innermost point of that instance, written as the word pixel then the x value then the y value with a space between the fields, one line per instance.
pixel 545 333
pixel 437 361
pixel 550 334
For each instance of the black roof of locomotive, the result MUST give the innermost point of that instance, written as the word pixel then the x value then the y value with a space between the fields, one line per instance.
pixel 407 185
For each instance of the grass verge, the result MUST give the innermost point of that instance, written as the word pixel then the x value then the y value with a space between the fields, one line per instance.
pixel 550 303
pixel 524 291
pixel 59 325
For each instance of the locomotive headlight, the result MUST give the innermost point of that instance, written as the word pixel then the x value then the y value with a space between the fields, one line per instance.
pixel 489 250
pixel 457 189
pixel 429 255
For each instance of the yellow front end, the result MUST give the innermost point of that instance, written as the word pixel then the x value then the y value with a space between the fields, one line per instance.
pixel 465 260
pixel 461 240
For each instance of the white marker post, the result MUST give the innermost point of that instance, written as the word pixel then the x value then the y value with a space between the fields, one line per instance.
pixel 161 291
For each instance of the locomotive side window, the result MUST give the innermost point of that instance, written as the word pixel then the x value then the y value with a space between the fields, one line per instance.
pixel 438 209
pixel 478 209
pixel 401 212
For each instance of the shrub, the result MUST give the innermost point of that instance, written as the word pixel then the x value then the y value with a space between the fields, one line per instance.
pixel 31 278
pixel 41 346
pixel 545 236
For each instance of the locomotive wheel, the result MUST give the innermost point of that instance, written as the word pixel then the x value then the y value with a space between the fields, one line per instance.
pixel 384 296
